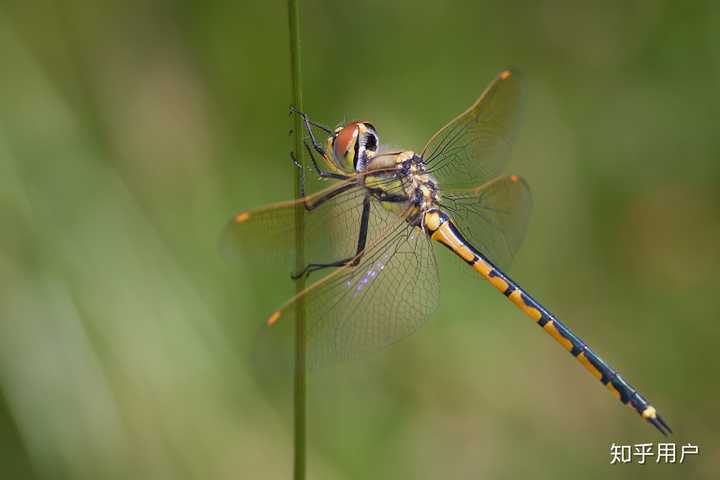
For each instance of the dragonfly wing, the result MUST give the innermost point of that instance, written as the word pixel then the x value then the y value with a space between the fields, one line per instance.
pixel 473 147
pixel 331 227
pixel 359 309
pixel 492 216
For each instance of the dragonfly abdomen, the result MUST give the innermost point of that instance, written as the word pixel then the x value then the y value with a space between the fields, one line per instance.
pixel 441 229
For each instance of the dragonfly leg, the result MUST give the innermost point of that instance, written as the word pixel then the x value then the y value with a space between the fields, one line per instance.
pixel 308 128
pixel 309 122
pixel 314 267
pixel 310 206
pixel 322 173
pixel 316 145
pixel 390 197
pixel 350 261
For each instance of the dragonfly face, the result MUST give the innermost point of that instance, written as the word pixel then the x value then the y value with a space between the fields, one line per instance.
pixel 352 146
pixel 370 234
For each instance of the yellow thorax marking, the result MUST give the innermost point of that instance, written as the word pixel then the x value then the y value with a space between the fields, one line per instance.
pixel 402 156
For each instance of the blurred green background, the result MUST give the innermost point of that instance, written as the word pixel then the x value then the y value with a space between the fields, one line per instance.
pixel 131 131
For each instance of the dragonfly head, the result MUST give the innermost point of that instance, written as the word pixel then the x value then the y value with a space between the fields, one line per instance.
pixel 353 145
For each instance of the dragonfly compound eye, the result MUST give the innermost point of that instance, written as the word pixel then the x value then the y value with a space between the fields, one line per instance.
pixel 353 144
pixel 346 146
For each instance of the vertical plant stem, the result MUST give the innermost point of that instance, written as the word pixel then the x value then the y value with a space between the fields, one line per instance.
pixel 299 403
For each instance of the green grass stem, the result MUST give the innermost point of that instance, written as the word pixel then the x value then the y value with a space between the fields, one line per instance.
pixel 299 397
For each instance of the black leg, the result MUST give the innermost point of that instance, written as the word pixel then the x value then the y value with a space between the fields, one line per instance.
pixel 364 222
pixel 352 261
pixel 391 197
pixel 308 121
pixel 308 127
pixel 316 146
pixel 321 172
pixel 310 206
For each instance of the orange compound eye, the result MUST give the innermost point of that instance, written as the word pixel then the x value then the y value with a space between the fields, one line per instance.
pixel 345 146
pixel 353 145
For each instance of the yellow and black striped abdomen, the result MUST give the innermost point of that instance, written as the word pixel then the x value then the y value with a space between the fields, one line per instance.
pixel 441 229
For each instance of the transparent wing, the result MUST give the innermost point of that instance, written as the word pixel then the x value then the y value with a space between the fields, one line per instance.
pixel 473 147
pixel 331 228
pixel 493 216
pixel 359 309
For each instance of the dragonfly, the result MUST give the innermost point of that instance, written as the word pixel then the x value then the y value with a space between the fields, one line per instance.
pixel 369 234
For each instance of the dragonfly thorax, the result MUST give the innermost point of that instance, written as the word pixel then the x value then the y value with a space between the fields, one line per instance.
pixel 419 186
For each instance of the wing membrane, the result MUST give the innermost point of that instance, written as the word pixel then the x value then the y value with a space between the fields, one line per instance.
pixel 331 229
pixel 473 147
pixel 493 216
pixel 359 309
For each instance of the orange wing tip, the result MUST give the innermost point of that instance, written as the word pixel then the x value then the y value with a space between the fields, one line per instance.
pixel 649 412
pixel 505 74
pixel 514 178
pixel 241 217
pixel 274 318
